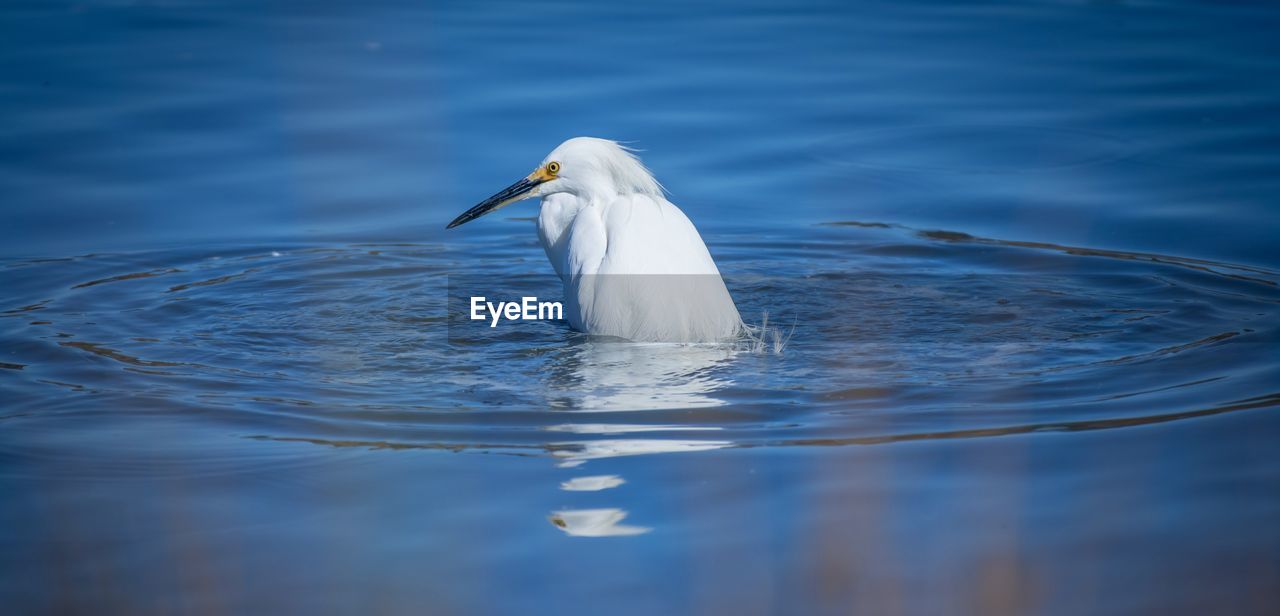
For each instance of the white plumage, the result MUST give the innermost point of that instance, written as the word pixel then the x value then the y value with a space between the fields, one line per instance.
pixel 632 263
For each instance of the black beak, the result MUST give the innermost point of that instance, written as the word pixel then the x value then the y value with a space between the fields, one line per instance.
pixel 510 194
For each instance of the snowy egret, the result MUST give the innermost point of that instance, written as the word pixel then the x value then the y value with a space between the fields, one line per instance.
pixel 632 264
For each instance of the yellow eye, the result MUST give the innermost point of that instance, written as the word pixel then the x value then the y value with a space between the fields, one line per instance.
pixel 553 167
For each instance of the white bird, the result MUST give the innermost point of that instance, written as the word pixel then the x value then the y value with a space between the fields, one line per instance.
pixel 632 264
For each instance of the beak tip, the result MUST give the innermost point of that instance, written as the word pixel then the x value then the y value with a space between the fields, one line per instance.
pixel 510 194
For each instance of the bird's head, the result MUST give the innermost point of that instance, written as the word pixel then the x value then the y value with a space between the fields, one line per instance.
pixel 586 167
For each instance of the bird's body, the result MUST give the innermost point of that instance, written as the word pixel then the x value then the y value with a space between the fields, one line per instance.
pixel 632 264
pixel 635 268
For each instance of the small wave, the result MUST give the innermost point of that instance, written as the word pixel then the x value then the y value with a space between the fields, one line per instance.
pixel 129 276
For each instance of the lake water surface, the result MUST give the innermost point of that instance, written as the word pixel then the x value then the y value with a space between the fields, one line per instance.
pixel 1025 253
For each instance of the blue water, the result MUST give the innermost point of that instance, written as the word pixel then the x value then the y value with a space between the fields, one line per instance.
pixel 1026 254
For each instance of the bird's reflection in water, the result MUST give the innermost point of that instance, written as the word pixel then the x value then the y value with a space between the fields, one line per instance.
pixel 594 483
pixel 595 523
pixel 574 454
pixel 618 376
pixel 612 375
pixel 618 428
